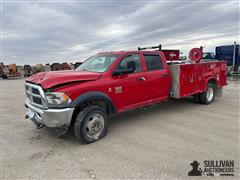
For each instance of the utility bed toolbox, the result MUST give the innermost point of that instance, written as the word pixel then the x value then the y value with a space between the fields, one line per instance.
pixel 190 78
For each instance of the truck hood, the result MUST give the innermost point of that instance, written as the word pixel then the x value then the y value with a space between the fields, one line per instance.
pixel 53 78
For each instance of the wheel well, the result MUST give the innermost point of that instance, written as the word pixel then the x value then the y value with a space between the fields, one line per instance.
pixel 213 81
pixel 99 103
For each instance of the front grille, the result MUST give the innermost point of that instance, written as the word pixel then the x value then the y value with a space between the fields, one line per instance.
pixel 28 95
pixel 35 95
pixel 35 91
pixel 37 100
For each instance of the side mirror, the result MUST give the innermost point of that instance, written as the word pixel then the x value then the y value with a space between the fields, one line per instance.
pixel 131 67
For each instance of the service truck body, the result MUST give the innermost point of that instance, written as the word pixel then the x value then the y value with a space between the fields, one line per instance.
pixel 189 79
pixel 145 78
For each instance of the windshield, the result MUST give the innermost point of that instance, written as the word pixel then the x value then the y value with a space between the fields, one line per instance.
pixel 99 63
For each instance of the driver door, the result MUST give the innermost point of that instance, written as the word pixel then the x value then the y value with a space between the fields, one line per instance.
pixel 129 90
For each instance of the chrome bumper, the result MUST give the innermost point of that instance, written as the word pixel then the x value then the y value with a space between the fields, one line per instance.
pixel 49 117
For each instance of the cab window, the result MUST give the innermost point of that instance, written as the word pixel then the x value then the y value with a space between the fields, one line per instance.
pixel 98 63
pixel 153 62
pixel 130 57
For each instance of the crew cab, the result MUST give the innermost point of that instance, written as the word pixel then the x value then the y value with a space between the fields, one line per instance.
pixel 113 82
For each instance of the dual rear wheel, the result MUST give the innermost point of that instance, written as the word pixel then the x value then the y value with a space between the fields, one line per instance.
pixel 206 97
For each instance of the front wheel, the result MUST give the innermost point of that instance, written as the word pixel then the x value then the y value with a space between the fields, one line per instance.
pixel 208 96
pixel 91 124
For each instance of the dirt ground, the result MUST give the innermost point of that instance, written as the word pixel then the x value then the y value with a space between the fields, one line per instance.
pixel 153 142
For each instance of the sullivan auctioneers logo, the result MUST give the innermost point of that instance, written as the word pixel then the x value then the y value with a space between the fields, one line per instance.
pixel 212 168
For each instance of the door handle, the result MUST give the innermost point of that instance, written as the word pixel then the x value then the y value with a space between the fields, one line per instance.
pixel 141 78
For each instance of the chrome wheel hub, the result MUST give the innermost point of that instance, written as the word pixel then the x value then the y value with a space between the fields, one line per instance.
pixel 95 125
pixel 210 94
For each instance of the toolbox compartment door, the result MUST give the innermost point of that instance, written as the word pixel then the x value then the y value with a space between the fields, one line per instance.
pixel 186 79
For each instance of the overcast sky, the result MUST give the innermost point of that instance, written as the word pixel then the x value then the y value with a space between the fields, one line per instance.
pixel 47 31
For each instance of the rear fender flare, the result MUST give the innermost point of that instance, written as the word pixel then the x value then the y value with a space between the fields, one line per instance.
pixel 210 79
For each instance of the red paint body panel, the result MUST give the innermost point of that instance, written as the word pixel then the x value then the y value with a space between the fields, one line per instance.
pixel 126 91
pixel 53 78
pixel 171 55
pixel 187 83
pixel 193 78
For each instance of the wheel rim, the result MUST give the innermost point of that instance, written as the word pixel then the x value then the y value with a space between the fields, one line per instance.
pixel 95 125
pixel 210 94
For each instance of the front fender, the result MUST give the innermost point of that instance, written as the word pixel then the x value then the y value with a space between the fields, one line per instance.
pixel 93 96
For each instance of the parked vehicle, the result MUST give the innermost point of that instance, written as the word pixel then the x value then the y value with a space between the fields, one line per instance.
pixel 55 67
pixel 9 71
pixel 65 66
pixel 230 53
pixel 28 71
pixel 77 64
pixel 2 72
pixel 40 68
pixel 208 56
pixel 113 82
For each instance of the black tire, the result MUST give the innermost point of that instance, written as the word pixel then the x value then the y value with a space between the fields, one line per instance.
pixel 84 118
pixel 205 98
pixel 196 98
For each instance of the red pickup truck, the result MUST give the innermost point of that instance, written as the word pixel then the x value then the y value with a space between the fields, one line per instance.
pixel 113 82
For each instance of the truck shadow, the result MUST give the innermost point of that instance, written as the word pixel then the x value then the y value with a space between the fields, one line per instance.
pixel 137 116
pixel 131 117
pixel 173 105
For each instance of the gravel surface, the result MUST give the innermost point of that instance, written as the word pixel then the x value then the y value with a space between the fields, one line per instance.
pixel 154 142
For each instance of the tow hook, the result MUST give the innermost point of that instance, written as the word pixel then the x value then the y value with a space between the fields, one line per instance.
pixel 37 124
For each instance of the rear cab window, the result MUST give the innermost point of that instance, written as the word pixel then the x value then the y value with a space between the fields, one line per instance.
pixel 153 62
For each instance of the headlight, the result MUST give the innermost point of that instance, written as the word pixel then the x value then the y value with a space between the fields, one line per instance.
pixel 57 98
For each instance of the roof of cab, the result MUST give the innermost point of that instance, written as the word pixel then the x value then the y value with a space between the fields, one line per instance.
pixel 124 52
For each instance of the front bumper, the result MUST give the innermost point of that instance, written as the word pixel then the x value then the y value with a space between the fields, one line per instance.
pixel 49 117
